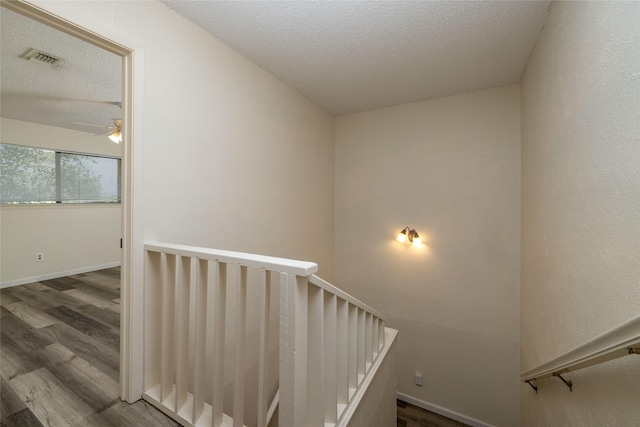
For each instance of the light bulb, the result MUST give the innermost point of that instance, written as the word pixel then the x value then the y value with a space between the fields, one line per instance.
pixel 402 237
pixel 417 241
pixel 115 136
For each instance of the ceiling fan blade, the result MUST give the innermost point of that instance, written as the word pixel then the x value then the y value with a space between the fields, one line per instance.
pixel 108 132
pixel 95 101
pixel 90 124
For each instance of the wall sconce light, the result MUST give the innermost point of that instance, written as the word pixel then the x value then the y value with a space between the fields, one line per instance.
pixel 411 234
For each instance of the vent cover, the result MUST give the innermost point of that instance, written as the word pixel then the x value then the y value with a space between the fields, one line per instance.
pixel 43 57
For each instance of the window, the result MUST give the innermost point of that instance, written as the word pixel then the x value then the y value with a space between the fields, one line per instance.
pixel 37 175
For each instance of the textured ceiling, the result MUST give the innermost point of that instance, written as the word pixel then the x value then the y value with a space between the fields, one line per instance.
pixel 346 56
pixel 350 56
pixel 84 88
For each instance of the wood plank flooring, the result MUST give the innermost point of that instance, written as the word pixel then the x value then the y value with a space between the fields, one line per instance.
pixel 412 416
pixel 59 348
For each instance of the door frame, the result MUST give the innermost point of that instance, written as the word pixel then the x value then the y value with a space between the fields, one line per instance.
pixel 62 16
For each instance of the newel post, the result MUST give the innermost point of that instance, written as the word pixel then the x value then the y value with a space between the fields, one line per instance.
pixel 293 350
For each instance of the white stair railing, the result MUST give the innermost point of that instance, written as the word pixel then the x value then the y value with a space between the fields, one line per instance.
pixel 214 356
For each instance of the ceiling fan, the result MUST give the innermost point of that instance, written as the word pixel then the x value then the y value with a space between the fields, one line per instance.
pixel 114 132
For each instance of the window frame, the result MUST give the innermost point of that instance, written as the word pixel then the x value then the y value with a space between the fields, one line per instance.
pixel 58 179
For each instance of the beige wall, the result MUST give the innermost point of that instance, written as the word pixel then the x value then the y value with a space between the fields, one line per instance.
pixel 581 208
pixel 450 168
pixel 72 238
pixel 233 158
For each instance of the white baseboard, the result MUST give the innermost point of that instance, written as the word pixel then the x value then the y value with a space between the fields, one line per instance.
pixel 26 280
pixel 442 411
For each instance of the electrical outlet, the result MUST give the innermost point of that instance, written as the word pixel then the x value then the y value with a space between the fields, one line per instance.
pixel 419 378
pixel 39 256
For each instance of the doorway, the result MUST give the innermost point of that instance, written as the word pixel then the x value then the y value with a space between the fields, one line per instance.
pixel 61 16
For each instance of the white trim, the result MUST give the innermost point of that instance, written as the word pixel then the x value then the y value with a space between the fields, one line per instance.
pixel 283 265
pixel 132 291
pixel 442 411
pixel 57 274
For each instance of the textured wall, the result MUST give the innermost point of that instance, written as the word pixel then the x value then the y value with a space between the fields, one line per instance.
pixel 581 207
pixel 449 167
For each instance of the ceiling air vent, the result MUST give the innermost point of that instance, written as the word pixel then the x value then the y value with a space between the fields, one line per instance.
pixel 43 57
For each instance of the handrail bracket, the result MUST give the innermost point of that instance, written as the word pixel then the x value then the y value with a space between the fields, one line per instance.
pixel 621 341
pixel 568 383
pixel 532 385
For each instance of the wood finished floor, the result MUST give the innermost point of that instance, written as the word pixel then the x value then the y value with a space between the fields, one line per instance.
pixel 412 416
pixel 59 346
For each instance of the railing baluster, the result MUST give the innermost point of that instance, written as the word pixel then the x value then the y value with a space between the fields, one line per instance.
pixel 241 316
pixel 330 358
pixel 194 267
pixel 353 349
pixel 368 341
pixel 167 369
pixel 183 290
pixel 342 344
pixel 176 329
pixel 263 358
pixel 218 282
pixel 293 350
pixel 199 370
pixel 315 363
pixel 374 337
pixel 361 343
pixel 153 283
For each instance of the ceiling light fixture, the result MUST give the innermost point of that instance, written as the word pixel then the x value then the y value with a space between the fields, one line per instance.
pixel 116 133
pixel 411 234
pixel 116 136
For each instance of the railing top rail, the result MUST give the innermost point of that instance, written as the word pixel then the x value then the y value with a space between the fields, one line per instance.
pixel 299 268
pixel 345 296
pixel 607 346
